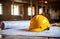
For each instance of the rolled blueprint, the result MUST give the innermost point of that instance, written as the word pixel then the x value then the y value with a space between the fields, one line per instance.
pixel 16 24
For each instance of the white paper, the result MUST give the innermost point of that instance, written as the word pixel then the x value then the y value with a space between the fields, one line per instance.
pixel 16 24
pixel 52 32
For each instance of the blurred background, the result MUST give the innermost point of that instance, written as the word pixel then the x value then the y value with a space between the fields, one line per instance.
pixel 26 9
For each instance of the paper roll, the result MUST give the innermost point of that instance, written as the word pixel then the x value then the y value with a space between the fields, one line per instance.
pixel 16 24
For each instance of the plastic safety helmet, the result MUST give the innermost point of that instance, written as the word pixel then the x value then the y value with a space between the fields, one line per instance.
pixel 39 23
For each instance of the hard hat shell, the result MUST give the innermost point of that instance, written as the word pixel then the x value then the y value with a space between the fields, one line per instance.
pixel 39 23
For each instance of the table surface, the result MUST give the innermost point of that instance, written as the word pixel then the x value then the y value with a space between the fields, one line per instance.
pixel 25 37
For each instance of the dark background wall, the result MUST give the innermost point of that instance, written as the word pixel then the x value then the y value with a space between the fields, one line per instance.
pixel 6 9
pixel 6 6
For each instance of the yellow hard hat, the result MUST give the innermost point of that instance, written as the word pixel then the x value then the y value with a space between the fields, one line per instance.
pixel 39 23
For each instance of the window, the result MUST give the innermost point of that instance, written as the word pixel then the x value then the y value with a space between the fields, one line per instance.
pixel 0 9
pixel 31 11
pixel 40 10
pixel 14 10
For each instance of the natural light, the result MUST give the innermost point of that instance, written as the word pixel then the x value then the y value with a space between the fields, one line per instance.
pixel 0 9
pixel 31 11
pixel 14 10
pixel 40 10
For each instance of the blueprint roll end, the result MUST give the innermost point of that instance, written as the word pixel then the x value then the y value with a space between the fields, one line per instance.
pixel 2 26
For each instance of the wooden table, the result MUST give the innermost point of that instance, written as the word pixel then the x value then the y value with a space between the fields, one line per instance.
pixel 25 37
